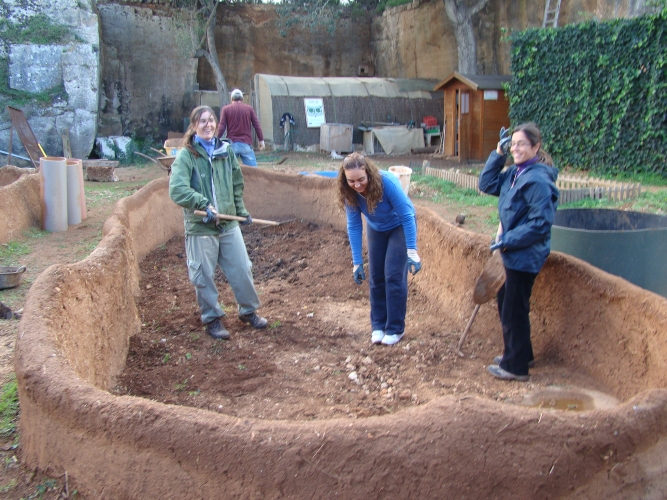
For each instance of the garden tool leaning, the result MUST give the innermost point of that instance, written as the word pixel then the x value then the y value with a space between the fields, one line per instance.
pixel 488 284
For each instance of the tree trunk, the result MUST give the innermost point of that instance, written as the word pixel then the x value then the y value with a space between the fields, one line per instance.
pixel 208 50
pixel 461 14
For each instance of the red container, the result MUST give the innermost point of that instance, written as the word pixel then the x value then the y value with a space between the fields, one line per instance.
pixel 430 121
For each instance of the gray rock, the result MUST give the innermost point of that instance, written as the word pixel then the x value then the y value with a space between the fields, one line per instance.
pixel 35 68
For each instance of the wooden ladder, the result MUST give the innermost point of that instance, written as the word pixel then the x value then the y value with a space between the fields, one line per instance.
pixel 551 14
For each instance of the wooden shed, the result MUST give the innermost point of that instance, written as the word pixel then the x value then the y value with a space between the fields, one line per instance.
pixel 475 109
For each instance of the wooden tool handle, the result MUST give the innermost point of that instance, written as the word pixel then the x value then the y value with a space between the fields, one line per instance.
pixel 202 213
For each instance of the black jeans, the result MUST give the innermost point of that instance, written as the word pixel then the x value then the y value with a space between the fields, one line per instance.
pixel 514 308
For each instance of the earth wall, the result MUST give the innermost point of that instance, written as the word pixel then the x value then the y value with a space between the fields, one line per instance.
pixel 20 207
pixel 78 319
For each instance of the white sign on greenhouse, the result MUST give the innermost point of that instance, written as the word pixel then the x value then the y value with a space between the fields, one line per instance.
pixel 314 112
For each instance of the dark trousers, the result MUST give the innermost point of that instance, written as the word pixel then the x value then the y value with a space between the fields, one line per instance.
pixel 514 308
pixel 388 279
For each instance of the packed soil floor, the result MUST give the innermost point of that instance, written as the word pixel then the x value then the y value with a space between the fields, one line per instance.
pixel 315 359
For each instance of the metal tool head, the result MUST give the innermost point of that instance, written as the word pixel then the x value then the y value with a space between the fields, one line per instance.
pixel 490 281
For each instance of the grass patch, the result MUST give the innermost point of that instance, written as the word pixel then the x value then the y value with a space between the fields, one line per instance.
pixel 102 193
pixel 448 191
pixel 9 408
pixel 11 251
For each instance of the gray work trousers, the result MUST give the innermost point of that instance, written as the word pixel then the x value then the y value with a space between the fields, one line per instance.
pixel 229 251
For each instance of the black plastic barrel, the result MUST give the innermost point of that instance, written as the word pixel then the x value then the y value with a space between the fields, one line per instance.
pixel 632 245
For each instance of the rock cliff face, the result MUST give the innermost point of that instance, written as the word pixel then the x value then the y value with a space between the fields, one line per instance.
pixel 148 76
pixel 416 40
pixel 149 82
pixel 73 65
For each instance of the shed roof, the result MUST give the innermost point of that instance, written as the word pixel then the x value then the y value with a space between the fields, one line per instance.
pixel 297 86
pixel 476 82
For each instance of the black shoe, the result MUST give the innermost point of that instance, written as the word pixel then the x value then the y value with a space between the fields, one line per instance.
pixel 498 359
pixel 216 330
pixel 254 319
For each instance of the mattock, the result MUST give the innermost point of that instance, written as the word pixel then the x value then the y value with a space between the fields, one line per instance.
pixel 488 284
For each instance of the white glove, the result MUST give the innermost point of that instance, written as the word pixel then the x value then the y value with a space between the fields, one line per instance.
pixel 412 255
pixel 261 145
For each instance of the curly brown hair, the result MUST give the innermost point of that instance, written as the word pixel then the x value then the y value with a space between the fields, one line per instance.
pixel 347 195
pixel 192 128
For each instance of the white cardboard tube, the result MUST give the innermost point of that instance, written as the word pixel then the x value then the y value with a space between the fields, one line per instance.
pixel 73 193
pixel 53 190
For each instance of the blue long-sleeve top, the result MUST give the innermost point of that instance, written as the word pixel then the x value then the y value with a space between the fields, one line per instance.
pixel 394 209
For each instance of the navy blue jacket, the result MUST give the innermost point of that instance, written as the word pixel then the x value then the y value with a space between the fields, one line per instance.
pixel 526 206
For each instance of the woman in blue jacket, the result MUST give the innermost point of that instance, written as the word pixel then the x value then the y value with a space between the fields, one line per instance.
pixel 391 235
pixel 527 203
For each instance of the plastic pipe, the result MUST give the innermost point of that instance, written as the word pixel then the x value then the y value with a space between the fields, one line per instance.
pixel 73 193
pixel 53 193
pixel 84 210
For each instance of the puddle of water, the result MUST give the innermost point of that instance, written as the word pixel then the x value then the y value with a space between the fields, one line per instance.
pixel 571 404
pixel 569 399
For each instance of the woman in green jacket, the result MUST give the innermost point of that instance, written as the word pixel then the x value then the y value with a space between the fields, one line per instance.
pixel 206 176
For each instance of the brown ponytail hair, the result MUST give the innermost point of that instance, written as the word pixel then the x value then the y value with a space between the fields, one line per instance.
pixel 534 135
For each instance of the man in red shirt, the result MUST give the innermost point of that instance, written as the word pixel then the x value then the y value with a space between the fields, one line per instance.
pixel 236 119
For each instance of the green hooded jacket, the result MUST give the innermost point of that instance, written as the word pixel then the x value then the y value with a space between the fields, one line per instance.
pixel 193 181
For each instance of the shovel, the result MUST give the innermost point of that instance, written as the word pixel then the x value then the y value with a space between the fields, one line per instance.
pixel 202 213
pixel 488 284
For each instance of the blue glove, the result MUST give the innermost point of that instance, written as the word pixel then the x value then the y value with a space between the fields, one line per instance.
pixel 414 262
pixel 247 221
pixel 505 140
pixel 359 274
pixel 497 245
pixel 211 215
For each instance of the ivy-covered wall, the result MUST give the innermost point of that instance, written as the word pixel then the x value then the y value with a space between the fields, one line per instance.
pixel 598 91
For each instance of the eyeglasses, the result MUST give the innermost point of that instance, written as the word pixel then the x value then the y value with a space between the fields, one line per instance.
pixel 521 144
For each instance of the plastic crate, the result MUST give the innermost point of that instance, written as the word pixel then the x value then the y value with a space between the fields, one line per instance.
pixel 430 121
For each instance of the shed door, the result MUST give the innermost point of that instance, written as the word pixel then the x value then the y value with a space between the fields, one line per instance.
pixel 462 125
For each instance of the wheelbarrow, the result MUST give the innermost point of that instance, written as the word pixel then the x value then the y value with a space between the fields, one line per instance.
pixel 162 161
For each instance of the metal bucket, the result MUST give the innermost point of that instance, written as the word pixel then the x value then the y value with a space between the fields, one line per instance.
pixel 10 276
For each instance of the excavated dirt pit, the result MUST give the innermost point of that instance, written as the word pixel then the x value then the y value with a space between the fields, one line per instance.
pixel 315 360
pixel 307 408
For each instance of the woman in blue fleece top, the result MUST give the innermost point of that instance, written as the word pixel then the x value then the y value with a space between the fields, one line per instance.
pixel 527 203
pixel 391 234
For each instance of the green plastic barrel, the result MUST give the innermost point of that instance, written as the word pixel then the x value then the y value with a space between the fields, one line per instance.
pixel 632 245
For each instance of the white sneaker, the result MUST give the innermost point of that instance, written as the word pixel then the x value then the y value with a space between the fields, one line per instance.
pixel 377 336
pixel 392 339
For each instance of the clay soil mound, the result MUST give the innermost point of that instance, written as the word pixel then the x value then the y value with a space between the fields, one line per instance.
pixel 19 201
pixel 121 388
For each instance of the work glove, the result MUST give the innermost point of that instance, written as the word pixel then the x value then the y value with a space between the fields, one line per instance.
pixel 359 274
pixel 247 221
pixel 211 215
pixel 497 244
pixel 414 262
pixel 261 145
pixel 505 140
